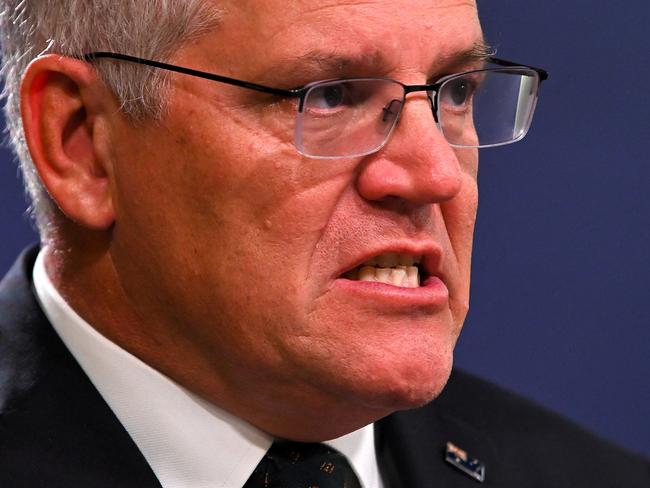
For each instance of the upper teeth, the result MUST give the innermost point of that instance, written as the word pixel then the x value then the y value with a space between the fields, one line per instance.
pixel 392 259
pixel 391 268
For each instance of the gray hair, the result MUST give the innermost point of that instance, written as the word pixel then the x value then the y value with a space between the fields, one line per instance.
pixel 144 28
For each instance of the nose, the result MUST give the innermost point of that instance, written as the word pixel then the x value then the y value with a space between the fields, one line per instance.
pixel 416 166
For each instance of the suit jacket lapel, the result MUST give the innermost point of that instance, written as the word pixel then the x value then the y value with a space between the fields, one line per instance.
pixel 54 425
pixel 411 447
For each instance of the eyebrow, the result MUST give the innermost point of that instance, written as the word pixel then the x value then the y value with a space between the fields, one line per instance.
pixel 480 51
pixel 375 61
pixel 476 57
pixel 334 62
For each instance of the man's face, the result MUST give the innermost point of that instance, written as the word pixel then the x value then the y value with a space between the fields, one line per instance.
pixel 248 252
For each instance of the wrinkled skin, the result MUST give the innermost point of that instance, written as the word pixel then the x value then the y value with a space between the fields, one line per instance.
pixel 222 263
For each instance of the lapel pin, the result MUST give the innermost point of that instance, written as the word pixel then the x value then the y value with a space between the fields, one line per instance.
pixel 461 460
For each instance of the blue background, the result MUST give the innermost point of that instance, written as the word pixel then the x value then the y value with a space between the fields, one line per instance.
pixel 560 308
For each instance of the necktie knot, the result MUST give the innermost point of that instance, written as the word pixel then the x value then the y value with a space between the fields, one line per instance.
pixel 302 465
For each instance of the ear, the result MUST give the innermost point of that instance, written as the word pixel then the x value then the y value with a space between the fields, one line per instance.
pixel 65 112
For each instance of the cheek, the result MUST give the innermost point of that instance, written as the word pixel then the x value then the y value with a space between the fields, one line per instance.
pixel 459 216
pixel 460 213
pixel 235 233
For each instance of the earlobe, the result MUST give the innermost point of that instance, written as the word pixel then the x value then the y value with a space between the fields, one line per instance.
pixel 63 105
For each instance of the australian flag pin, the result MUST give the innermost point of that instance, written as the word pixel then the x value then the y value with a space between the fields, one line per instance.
pixel 461 460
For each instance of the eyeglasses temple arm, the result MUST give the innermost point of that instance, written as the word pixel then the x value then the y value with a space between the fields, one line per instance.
pixel 543 74
pixel 90 57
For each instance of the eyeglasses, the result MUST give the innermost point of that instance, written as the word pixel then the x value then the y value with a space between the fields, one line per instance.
pixel 356 116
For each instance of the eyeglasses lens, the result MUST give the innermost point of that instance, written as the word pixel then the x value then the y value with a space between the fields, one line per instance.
pixel 487 108
pixel 356 117
pixel 348 118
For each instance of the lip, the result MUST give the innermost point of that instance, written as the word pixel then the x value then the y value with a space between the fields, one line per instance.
pixel 432 294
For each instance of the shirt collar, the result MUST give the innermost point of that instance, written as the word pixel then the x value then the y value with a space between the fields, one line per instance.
pixel 186 440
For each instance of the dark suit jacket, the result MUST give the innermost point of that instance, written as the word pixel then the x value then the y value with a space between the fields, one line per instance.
pixel 56 431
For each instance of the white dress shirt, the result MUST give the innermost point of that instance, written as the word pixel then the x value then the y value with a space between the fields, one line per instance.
pixel 187 441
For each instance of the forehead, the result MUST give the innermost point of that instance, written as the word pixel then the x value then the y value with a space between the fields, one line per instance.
pixel 406 32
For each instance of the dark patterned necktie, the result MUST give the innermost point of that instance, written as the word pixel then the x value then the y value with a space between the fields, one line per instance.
pixel 302 465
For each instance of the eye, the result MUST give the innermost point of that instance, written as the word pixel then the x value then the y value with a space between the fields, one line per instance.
pixel 458 92
pixel 330 96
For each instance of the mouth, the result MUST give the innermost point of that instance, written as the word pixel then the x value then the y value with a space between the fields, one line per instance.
pixel 395 269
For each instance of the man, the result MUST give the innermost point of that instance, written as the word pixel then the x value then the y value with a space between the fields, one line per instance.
pixel 252 235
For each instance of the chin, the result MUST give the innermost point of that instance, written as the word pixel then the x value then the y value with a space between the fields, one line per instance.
pixel 413 392
pixel 410 384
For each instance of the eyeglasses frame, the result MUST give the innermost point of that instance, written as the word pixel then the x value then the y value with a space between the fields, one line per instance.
pixel 301 91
